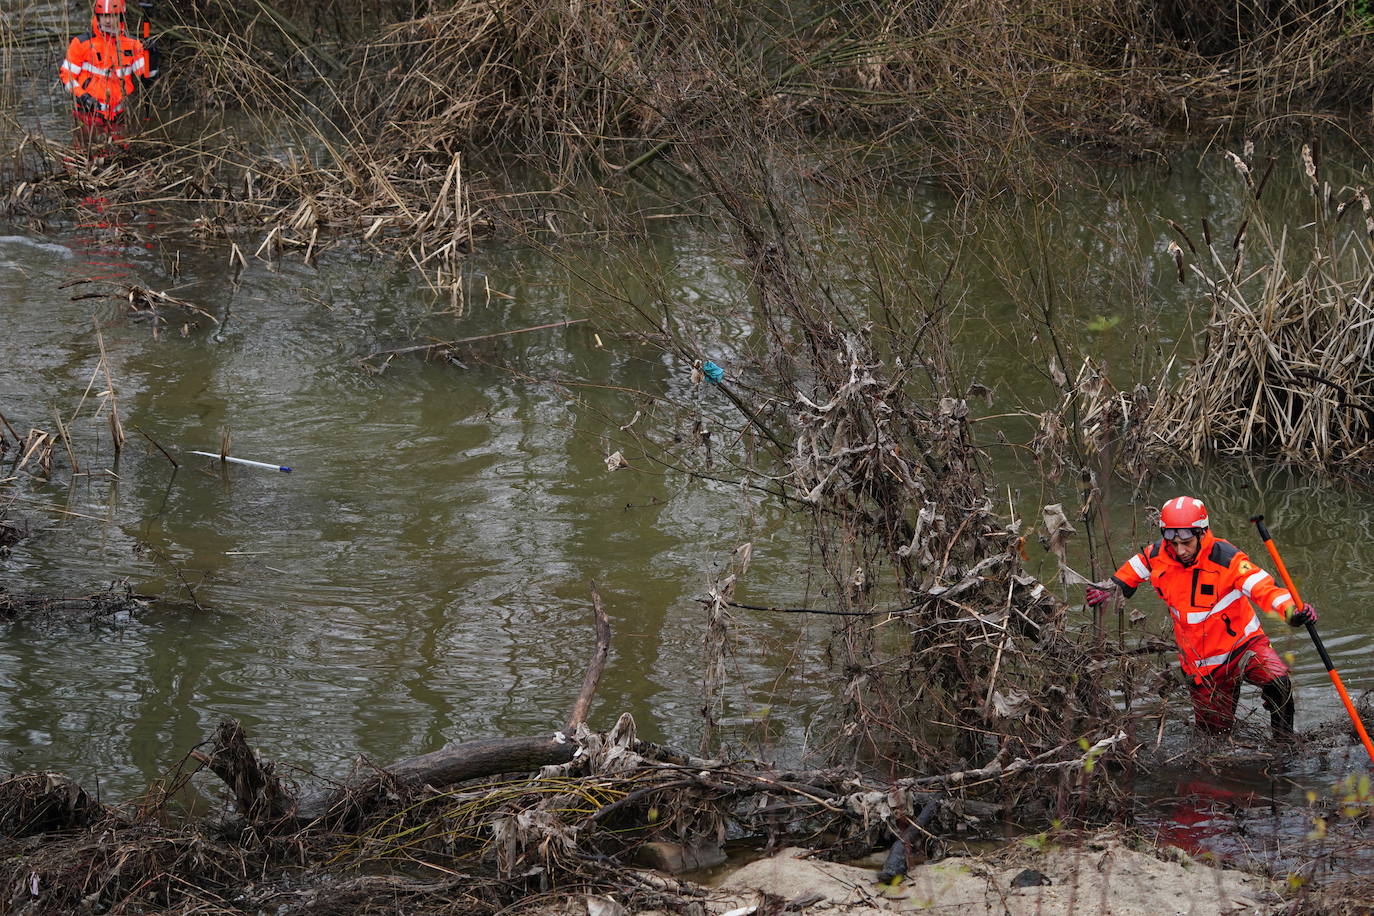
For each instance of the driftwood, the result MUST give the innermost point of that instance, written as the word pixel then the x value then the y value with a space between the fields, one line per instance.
pixel 597 666
pixel 445 767
pixel 265 802
pixel 270 806
pixel 258 794
pixel 459 763
pixel 620 787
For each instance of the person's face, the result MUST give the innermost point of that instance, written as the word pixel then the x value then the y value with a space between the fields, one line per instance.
pixel 108 22
pixel 1186 547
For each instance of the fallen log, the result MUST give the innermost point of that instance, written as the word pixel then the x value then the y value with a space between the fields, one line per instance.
pixel 471 759
pixel 261 798
pixel 265 802
pixel 444 767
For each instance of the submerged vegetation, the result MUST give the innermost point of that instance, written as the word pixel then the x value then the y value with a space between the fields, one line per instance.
pixel 961 680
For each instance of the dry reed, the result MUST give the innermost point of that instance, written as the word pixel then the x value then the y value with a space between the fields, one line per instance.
pixel 1282 368
pixel 392 124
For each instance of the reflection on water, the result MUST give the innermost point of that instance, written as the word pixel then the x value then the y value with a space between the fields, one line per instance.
pixel 422 576
pixel 1262 811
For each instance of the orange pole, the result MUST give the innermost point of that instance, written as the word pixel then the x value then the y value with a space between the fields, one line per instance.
pixel 1316 640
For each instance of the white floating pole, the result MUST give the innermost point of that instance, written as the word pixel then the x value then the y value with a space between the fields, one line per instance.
pixel 252 464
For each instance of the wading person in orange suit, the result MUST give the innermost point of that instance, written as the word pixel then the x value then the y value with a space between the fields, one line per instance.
pixel 101 70
pixel 1208 585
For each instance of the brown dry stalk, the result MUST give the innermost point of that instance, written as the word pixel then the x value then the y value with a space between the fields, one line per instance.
pixel 389 111
pixel 1282 365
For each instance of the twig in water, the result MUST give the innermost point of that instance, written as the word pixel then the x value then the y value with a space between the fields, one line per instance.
pixel 752 417
pixel 810 610
pixel 451 343
pixel 596 667
pixel 140 431
pixel 116 428
pixel 66 440
pixel 17 439
pixel 176 570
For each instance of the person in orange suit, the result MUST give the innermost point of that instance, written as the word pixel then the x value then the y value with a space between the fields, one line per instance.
pixel 1209 585
pixel 103 69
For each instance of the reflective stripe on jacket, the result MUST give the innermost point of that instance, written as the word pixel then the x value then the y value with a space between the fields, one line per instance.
pixel 1209 600
pixel 103 66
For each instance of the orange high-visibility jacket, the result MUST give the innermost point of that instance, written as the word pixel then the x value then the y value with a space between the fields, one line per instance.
pixel 103 66
pixel 1209 601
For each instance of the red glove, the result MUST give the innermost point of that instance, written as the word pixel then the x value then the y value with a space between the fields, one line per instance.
pixel 1097 596
pixel 1301 618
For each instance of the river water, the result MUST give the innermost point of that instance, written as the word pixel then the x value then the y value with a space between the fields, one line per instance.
pixel 423 574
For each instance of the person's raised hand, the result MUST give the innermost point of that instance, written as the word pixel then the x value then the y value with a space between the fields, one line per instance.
pixel 1095 596
pixel 1303 616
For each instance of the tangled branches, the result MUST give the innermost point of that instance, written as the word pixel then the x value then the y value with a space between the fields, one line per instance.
pixel 474 847
pixel 842 390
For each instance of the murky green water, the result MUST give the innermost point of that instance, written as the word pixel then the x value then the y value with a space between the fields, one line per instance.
pixel 423 574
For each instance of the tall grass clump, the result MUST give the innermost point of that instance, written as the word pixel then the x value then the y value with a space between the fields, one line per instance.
pixel 1282 368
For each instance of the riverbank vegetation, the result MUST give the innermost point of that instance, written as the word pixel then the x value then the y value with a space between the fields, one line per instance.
pixel 608 86
pixel 398 124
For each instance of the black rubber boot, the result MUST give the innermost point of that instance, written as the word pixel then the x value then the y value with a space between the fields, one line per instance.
pixel 1278 699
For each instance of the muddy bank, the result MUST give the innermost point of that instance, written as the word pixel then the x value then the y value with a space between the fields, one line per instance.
pixel 1099 873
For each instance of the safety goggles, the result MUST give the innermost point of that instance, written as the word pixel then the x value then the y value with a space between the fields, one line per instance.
pixel 1181 534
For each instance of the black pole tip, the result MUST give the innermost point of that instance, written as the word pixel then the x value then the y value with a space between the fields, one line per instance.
pixel 1256 519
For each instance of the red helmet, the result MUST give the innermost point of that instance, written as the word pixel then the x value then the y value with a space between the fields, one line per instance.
pixel 1183 512
pixel 108 6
